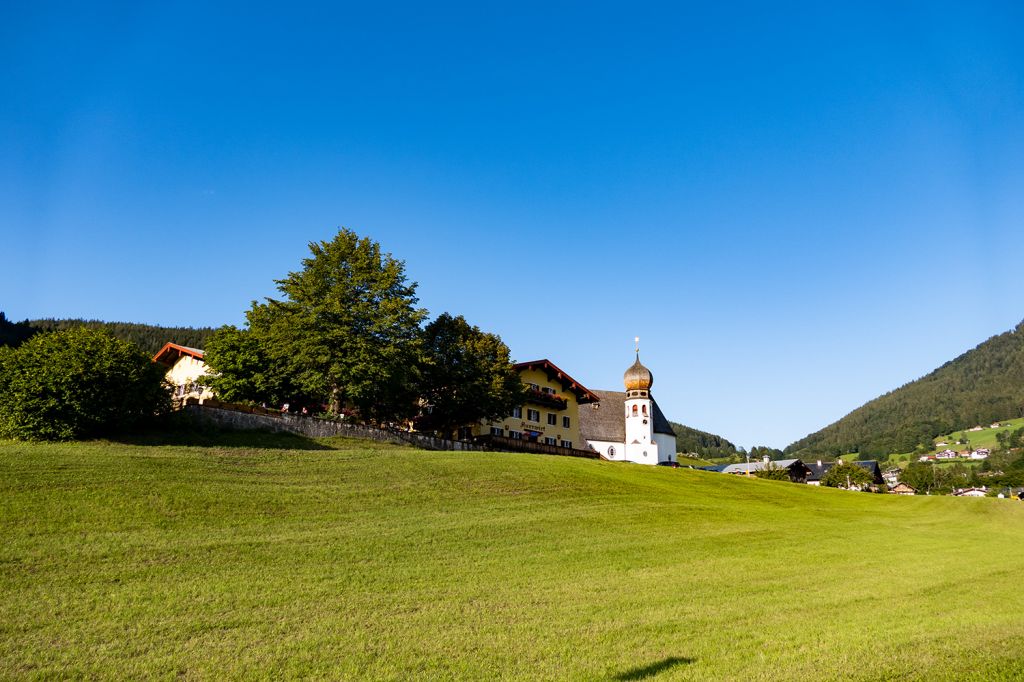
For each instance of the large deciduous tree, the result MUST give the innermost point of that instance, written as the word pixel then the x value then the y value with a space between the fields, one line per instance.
pixel 466 375
pixel 244 370
pixel 346 331
pixel 77 383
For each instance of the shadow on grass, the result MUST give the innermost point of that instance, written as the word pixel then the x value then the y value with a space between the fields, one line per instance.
pixel 173 430
pixel 653 669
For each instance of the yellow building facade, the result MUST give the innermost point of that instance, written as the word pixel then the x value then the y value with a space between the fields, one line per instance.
pixel 550 414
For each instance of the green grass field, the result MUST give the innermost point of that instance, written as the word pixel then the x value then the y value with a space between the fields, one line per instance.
pixel 250 556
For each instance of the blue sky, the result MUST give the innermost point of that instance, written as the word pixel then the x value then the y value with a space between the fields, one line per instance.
pixel 796 207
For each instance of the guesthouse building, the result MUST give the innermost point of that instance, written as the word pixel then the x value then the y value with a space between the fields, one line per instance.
pixel 550 414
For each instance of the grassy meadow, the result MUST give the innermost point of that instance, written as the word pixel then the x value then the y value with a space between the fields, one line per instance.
pixel 277 557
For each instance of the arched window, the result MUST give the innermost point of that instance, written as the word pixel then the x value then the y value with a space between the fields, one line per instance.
pixel 634 410
pixel 645 410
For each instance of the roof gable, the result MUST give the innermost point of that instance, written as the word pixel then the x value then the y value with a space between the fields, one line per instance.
pixel 583 394
pixel 171 352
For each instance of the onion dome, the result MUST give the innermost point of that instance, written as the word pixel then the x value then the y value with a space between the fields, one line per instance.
pixel 638 377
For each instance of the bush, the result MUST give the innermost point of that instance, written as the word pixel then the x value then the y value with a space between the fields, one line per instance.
pixel 845 474
pixel 77 383
pixel 773 472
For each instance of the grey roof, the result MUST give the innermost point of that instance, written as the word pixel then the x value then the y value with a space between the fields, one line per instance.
pixel 819 470
pixel 757 466
pixel 606 420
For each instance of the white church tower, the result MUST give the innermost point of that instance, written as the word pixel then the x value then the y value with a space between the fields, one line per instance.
pixel 640 443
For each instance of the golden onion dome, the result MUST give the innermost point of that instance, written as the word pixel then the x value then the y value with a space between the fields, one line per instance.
pixel 638 377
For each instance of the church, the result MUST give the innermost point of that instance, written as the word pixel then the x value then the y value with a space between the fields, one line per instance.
pixel 562 416
pixel 628 426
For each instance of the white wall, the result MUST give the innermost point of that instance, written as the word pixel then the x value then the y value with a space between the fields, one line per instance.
pixel 603 445
pixel 666 447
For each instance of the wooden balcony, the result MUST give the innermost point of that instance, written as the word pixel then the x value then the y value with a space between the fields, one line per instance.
pixel 550 400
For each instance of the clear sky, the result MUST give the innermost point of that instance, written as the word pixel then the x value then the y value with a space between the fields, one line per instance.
pixel 796 206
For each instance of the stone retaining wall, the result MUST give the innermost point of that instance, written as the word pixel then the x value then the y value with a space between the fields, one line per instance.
pixel 319 428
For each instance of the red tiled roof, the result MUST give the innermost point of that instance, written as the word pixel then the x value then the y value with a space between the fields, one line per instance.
pixel 583 394
pixel 170 353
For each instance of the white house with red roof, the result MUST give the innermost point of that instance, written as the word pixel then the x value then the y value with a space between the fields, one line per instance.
pixel 185 371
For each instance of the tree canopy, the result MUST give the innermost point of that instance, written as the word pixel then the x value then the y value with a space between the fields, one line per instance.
pixel 346 331
pixel 466 375
pixel 704 444
pixel 773 472
pixel 77 383
pixel 846 475
pixel 150 338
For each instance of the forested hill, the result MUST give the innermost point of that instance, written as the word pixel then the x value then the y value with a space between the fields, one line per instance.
pixel 981 386
pixel 706 445
pixel 150 338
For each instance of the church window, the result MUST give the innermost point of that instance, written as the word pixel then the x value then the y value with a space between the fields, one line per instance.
pixel 644 410
pixel 634 410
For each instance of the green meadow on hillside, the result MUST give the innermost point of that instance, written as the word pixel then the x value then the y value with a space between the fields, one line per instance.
pixel 251 556
pixel 985 438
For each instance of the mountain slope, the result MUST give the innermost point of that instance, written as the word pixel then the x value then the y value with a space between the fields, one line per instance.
pixel 981 386
pixel 150 338
pixel 690 440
